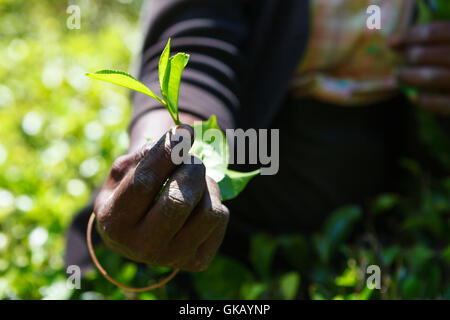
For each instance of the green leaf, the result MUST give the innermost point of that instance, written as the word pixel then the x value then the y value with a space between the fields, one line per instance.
pixel 262 252
pixel 128 272
pixel 210 145
pixel 384 202
pixel 322 246
pixel 418 257
pixel 435 10
pixel 340 224
pixel 348 279
pixel 296 250
pixel 389 254
pixel 425 13
pixel 446 255
pixel 289 285
pixel 207 283
pixel 177 64
pixel 164 70
pixel 234 182
pixel 253 290
pixel 443 9
pixel 125 80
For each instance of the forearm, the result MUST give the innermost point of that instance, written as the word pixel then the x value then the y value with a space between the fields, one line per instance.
pixel 213 33
pixel 153 125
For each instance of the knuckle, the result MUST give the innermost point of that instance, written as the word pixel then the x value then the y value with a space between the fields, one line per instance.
pixel 425 31
pixel 433 28
pixel 197 167
pixel 179 198
pixel 169 260
pixel 416 54
pixel 219 214
pixel 197 265
pixel 103 217
pixel 175 203
pixel 193 173
pixel 119 167
pixel 428 75
pixel 166 150
pixel 142 152
pixel 145 180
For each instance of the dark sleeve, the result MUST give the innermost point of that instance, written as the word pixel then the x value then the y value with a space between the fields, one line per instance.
pixel 213 32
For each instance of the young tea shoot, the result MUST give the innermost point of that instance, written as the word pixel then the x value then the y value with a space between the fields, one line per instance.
pixel 213 154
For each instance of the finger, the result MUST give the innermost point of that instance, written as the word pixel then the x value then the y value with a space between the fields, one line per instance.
pixel 431 56
pixel 425 77
pixel 207 216
pixel 120 167
pixel 176 202
pixel 439 104
pixel 154 164
pixel 208 250
pixel 433 33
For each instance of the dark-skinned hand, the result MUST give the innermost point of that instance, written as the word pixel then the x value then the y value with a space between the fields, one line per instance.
pixel 427 52
pixel 180 227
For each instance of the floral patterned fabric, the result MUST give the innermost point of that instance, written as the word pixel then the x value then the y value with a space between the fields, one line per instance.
pixel 346 63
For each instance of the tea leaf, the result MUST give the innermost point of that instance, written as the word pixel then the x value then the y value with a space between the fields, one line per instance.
pixel 211 147
pixel 175 68
pixel 164 70
pixel 234 182
pixel 289 285
pixel 262 253
pixel 125 80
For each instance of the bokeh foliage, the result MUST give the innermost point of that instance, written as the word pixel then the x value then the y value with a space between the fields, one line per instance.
pixel 59 133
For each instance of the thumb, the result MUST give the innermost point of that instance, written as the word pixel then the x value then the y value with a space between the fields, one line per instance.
pixel 153 165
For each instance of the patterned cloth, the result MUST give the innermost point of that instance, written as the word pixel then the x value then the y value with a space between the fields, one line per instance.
pixel 346 63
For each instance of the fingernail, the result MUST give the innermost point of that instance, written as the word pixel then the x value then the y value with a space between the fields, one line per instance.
pixel 188 128
pixel 183 130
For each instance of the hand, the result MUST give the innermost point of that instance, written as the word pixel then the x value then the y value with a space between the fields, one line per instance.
pixel 427 52
pixel 181 227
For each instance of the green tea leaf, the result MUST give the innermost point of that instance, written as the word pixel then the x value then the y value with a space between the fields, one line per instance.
pixel 211 147
pixel 289 285
pixel 234 182
pixel 222 267
pixel 443 9
pixel 433 10
pixel 425 14
pixel 125 80
pixel 348 279
pixel 164 70
pixel 340 223
pixel 262 253
pixel 176 66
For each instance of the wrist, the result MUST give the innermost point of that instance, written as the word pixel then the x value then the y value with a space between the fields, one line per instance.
pixel 152 125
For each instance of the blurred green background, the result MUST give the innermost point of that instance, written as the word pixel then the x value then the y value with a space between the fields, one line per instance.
pixel 60 132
